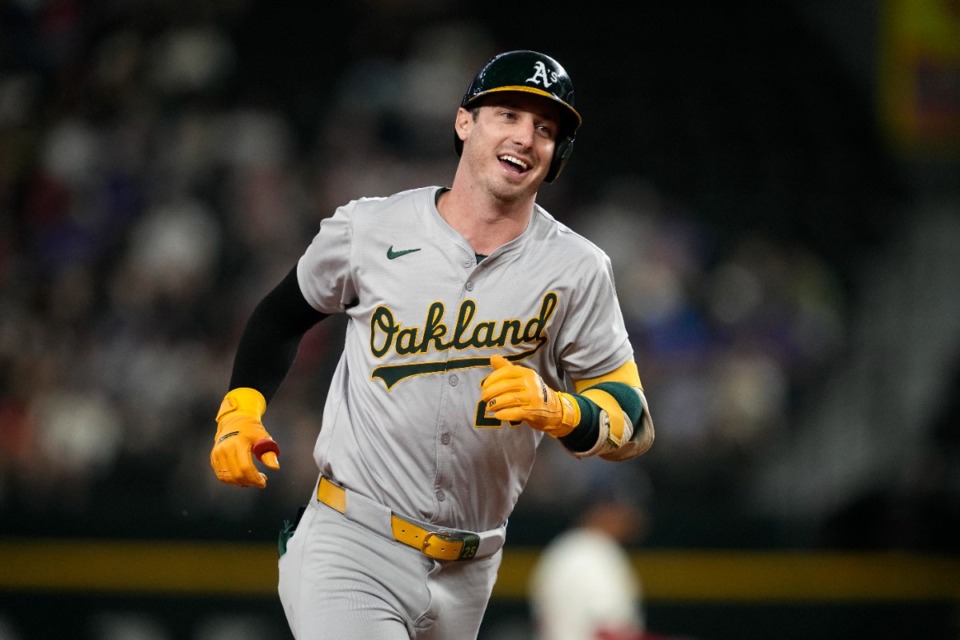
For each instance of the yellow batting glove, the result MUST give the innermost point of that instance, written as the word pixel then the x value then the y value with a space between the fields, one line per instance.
pixel 514 393
pixel 240 437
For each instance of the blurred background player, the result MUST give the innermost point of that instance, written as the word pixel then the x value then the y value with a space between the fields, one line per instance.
pixel 584 585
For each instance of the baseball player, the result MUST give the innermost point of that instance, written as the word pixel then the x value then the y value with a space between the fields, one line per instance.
pixel 583 585
pixel 477 325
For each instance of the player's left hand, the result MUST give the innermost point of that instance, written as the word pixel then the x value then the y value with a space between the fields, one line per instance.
pixel 240 437
pixel 514 392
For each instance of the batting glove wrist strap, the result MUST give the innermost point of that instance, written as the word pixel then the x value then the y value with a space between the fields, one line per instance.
pixel 243 400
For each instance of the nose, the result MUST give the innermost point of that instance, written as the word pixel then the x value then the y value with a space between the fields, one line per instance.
pixel 524 132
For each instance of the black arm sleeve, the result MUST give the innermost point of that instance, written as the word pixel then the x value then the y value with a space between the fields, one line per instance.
pixel 269 343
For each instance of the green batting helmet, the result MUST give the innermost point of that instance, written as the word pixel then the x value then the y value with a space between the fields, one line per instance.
pixel 529 72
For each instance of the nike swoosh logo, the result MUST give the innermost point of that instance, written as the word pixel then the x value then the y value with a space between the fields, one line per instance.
pixel 391 254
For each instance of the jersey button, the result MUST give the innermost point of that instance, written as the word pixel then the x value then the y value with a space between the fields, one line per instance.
pixel 441 496
pixel 467 264
pixel 445 438
pixel 454 380
pixel 468 286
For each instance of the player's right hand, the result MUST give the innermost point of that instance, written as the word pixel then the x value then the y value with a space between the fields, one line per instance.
pixel 240 436
pixel 514 392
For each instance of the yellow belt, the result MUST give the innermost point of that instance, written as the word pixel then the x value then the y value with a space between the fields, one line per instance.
pixel 442 544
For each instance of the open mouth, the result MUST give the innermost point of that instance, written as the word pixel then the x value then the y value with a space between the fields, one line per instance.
pixel 514 164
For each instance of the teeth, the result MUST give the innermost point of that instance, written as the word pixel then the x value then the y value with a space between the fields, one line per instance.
pixel 517 161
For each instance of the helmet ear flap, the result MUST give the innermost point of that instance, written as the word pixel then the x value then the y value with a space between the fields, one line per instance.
pixel 561 154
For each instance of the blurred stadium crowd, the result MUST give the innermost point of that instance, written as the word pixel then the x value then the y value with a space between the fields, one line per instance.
pixel 147 201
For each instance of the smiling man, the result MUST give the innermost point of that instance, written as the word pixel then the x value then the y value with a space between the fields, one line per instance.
pixel 478 325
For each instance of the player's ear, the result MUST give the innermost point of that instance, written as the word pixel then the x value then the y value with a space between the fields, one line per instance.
pixel 463 123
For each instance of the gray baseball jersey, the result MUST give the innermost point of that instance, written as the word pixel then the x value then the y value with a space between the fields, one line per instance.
pixel 403 423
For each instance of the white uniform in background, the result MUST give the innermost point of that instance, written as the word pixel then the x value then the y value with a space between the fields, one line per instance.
pixel 584 585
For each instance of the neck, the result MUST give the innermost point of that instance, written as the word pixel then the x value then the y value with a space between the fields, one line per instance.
pixel 484 222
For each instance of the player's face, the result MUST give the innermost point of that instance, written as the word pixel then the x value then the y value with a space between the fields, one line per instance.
pixel 510 143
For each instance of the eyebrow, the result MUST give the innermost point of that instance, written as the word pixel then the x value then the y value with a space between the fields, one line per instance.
pixel 541 107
